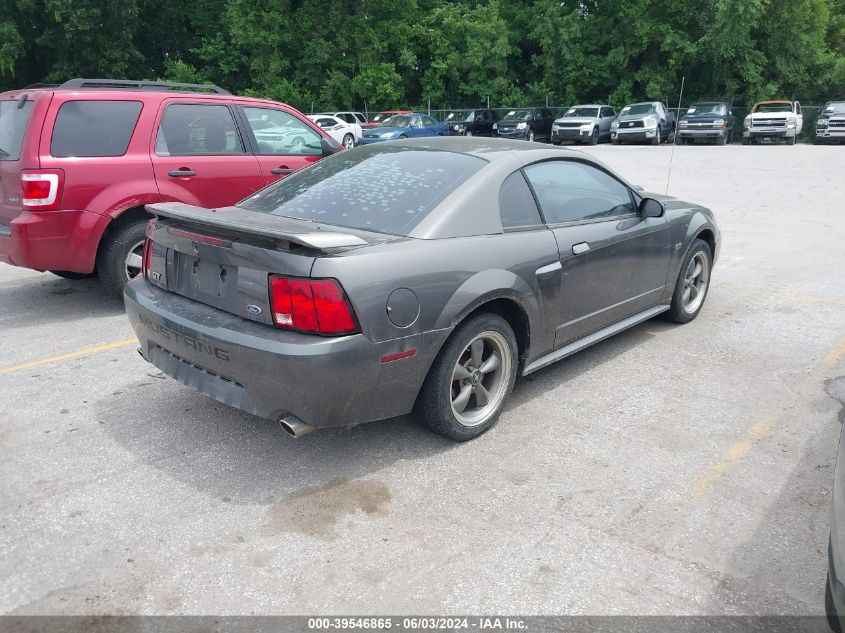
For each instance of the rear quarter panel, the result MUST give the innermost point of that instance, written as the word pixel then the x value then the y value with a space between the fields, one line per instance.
pixel 450 278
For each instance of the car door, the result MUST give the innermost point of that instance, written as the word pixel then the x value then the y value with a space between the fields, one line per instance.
pixel 333 126
pixel 799 119
pixel 199 155
pixel 283 143
pixel 430 126
pixel 607 116
pixel 614 262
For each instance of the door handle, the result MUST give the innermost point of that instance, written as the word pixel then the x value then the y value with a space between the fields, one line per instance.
pixel 181 173
pixel 281 170
pixel 581 247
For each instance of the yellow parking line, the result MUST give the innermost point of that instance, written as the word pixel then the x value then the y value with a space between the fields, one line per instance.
pixel 85 351
pixel 765 424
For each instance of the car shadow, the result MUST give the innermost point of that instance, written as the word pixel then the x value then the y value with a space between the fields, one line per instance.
pixel 781 568
pixel 49 299
pixel 243 459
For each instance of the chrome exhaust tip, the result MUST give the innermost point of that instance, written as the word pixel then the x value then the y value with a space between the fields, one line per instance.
pixel 294 427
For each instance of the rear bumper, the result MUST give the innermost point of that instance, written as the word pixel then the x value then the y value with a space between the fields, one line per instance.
pixel 272 373
pixel 53 240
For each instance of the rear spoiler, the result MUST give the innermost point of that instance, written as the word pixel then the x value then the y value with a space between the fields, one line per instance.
pixel 254 223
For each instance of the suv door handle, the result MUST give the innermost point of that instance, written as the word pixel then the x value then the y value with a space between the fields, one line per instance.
pixel 581 247
pixel 281 170
pixel 181 173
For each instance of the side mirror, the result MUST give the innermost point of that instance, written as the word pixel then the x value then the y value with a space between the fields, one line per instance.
pixel 329 146
pixel 651 208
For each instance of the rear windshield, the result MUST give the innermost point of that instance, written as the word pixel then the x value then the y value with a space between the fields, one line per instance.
pixel 373 187
pixel 12 127
pixel 94 128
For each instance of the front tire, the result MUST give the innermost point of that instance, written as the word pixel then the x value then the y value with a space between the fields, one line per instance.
pixel 471 379
pixel 594 137
pixel 692 284
pixel 531 136
pixel 119 260
pixel 657 140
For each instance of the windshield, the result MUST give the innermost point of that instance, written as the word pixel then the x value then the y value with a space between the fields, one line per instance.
pixel 582 112
pixel 835 108
pixel 463 117
pixel 638 108
pixel 707 108
pixel 519 115
pixel 376 188
pixel 773 107
pixel 12 127
pixel 397 120
pixel 381 116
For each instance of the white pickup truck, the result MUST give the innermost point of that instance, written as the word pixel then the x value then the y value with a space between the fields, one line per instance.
pixel 779 119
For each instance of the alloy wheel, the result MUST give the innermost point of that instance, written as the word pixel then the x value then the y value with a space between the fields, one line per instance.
pixel 696 279
pixel 134 260
pixel 480 378
pixel 348 141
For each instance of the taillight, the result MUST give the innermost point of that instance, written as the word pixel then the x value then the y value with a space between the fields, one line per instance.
pixel 41 189
pixel 146 256
pixel 317 306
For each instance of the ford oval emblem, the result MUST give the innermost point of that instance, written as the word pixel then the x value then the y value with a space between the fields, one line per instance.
pixel 253 309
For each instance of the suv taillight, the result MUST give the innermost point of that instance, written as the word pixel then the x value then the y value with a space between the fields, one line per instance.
pixel 145 257
pixel 41 189
pixel 315 306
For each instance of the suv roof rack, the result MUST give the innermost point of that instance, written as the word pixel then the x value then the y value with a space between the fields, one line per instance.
pixel 141 85
pixel 39 85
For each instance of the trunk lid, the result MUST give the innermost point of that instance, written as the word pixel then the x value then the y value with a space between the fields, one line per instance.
pixel 223 257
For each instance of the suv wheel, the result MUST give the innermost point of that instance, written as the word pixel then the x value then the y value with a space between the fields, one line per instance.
pixel 348 141
pixel 692 284
pixel 657 140
pixel 531 136
pixel 120 259
pixel 594 137
pixel 470 380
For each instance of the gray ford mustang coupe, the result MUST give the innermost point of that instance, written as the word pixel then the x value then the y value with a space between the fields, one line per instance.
pixel 418 275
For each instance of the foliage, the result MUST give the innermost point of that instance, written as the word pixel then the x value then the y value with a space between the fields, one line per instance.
pixel 390 53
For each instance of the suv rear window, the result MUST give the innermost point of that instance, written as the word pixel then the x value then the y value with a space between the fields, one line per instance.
pixel 374 188
pixel 13 121
pixel 94 128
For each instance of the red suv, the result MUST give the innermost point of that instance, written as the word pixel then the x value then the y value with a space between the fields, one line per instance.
pixel 79 161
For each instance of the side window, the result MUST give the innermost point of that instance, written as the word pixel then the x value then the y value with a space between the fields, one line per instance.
pixel 326 122
pixel 188 129
pixel 280 133
pixel 428 121
pixel 361 118
pixel 346 116
pixel 94 128
pixel 607 112
pixel 416 122
pixel 797 108
pixel 516 204
pixel 570 191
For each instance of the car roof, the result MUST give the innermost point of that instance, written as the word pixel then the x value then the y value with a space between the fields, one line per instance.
pixel 490 149
pixel 590 105
pixel 773 101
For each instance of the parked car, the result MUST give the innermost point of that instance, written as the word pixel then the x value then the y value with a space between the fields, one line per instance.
pixel 650 121
pixel 835 587
pixel 830 125
pixel 413 275
pixel 401 126
pixel 584 124
pixel 774 120
pixel 80 161
pixel 355 120
pixel 381 116
pixel 529 124
pixel 471 122
pixel 706 120
pixel 338 129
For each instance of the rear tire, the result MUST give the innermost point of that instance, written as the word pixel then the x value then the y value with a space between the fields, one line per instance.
pixel 120 257
pixel 691 287
pixel 531 136
pixel 348 141
pixel 460 399
pixel 64 274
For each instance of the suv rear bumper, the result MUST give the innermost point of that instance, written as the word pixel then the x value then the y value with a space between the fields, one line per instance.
pixel 273 373
pixel 53 240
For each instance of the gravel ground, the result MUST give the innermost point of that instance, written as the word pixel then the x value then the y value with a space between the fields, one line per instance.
pixel 669 470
